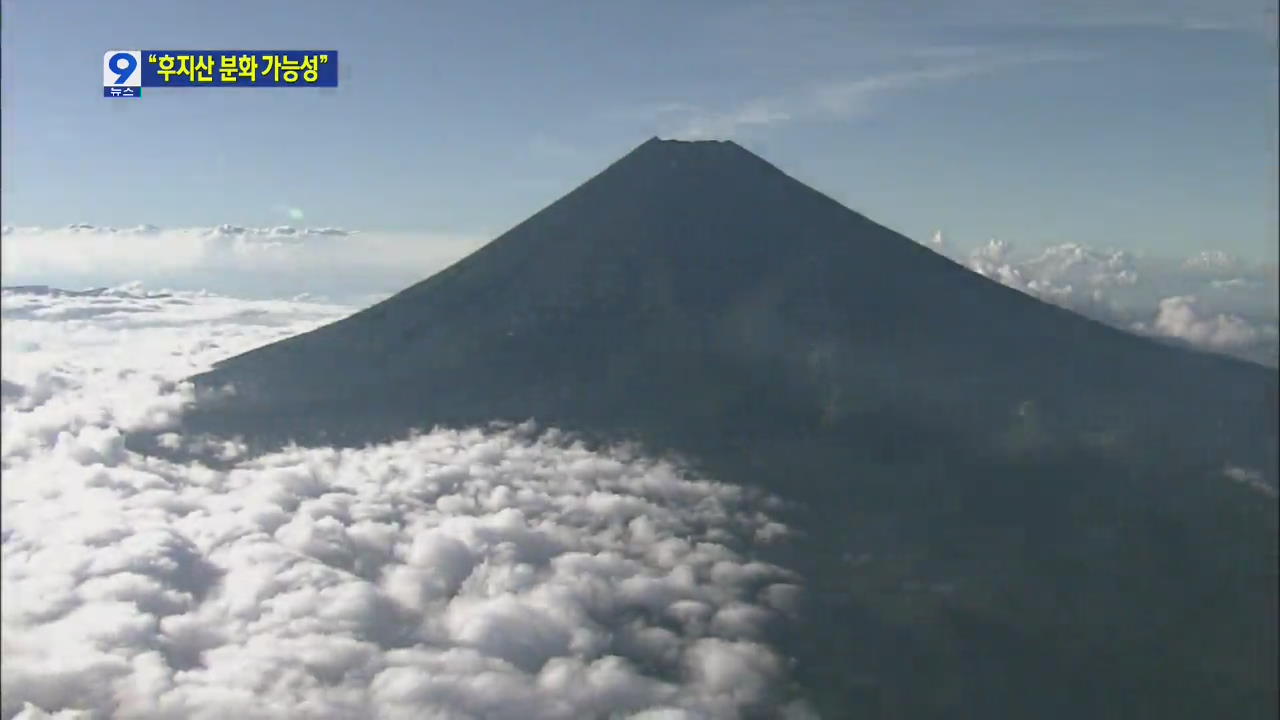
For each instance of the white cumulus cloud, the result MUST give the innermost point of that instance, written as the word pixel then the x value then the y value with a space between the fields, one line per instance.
pixel 1185 318
pixel 465 573
pixel 1211 300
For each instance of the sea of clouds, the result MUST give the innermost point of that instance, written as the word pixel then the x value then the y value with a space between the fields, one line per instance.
pixel 465 573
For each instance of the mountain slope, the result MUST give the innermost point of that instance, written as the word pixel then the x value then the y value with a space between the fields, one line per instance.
pixel 1060 481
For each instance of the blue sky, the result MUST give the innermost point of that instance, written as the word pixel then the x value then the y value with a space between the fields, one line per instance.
pixel 1143 125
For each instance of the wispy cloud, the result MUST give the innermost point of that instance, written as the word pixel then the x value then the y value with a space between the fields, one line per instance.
pixel 839 99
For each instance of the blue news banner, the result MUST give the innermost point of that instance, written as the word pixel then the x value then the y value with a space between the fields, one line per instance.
pixel 126 72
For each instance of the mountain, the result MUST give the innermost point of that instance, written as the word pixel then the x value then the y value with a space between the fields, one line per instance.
pixel 1009 510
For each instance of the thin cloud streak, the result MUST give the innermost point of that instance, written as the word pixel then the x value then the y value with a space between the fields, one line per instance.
pixel 840 99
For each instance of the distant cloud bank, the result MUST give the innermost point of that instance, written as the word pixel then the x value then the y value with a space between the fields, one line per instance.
pixel 257 262
pixel 1212 300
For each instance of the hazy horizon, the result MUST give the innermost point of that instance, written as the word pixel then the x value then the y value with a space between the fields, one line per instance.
pixel 1144 126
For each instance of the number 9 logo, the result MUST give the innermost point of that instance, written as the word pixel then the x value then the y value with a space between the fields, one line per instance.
pixel 121 68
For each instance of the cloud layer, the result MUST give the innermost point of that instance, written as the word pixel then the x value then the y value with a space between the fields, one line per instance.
pixel 243 261
pixel 475 573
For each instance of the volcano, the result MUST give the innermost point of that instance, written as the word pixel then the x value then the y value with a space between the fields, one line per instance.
pixel 1008 510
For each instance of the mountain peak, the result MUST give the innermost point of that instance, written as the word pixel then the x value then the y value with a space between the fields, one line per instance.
pixel 698 262
pixel 675 142
pixel 697 299
pixel 657 144
pixel 703 151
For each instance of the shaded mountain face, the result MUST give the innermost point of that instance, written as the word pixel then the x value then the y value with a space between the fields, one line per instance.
pixel 1038 502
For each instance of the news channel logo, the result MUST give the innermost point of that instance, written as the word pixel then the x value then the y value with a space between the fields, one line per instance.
pixel 122 73
pixel 126 72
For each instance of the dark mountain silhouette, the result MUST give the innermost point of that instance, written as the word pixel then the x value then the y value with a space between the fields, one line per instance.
pixel 1010 510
